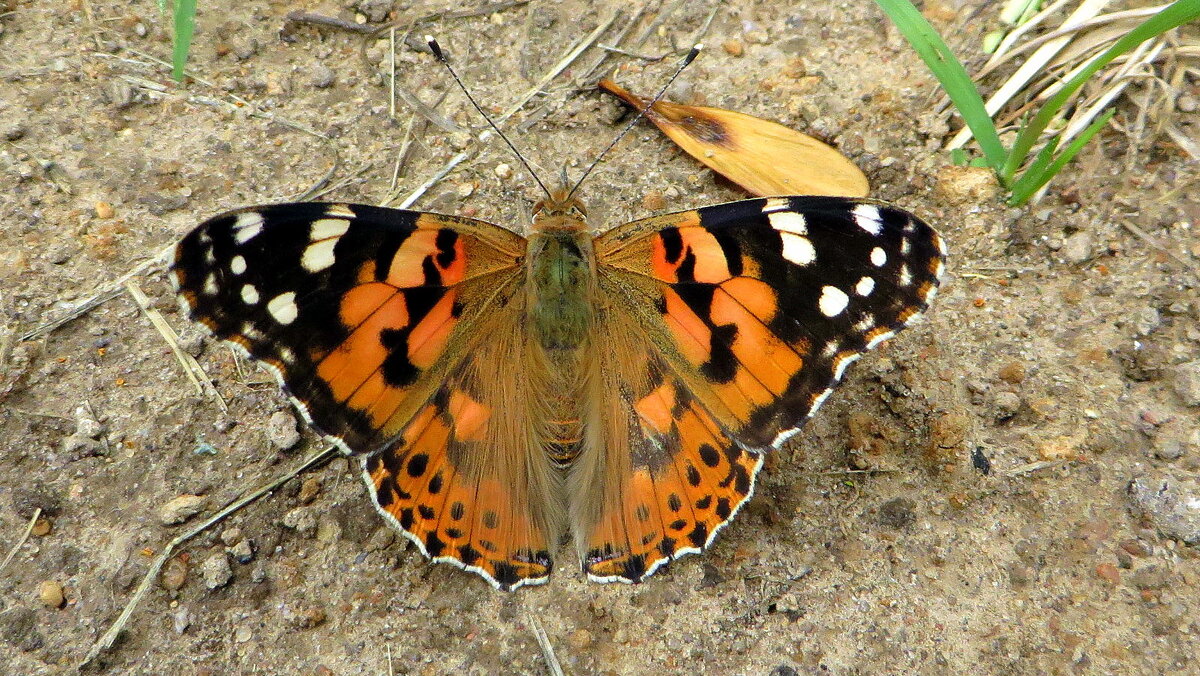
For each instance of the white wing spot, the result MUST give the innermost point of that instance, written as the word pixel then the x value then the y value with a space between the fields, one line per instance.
pixel 866 323
pixel 283 307
pixel 831 348
pixel 865 286
pixel 318 255
pixel 326 228
pixel 905 275
pixel 788 221
pixel 247 225
pixel 798 249
pixel 249 294
pixel 210 284
pixel 867 217
pixel 905 246
pixel 209 256
pixel 237 265
pixel 340 210
pixel 833 301
pixel 251 332
pixel 878 257
pixel 775 204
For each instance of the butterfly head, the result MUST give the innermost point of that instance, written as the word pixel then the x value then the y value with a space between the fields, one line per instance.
pixel 560 206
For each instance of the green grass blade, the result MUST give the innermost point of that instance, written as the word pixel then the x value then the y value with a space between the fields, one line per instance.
pixel 1177 14
pixel 185 25
pixel 1044 157
pixel 1030 182
pixel 951 74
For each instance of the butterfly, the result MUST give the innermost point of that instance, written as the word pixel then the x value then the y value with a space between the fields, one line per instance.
pixel 503 392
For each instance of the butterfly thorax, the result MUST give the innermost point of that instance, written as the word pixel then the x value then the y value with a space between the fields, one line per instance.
pixel 561 269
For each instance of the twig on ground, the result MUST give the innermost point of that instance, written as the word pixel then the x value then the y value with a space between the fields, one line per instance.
pixel 110 291
pixel 191 367
pixel 446 169
pixel 552 664
pixel 569 58
pixel 21 540
pixel 1152 241
pixel 1031 467
pixel 109 638
pixel 300 17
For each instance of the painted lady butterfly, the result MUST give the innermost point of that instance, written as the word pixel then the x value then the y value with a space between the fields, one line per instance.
pixel 504 391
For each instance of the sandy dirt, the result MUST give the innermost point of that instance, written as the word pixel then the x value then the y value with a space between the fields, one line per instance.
pixel 961 504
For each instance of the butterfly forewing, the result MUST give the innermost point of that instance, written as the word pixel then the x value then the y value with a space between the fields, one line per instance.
pixel 356 309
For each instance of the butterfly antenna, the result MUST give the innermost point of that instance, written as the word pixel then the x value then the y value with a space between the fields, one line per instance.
pixel 691 56
pixel 441 56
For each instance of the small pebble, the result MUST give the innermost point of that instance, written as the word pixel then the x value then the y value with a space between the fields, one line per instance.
pixel 281 430
pixel 1078 248
pixel 181 619
pixel 242 634
pixel 41 527
pixel 1013 372
pixel 242 552
pixel 174 574
pixel 897 513
pixel 733 47
pixel 504 171
pixel 105 210
pixel 1171 504
pixel 181 509
pixel 1186 103
pixel 1109 573
pixel 382 538
pixel 304 617
pixel 465 190
pixel 302 520
pixel 322 77
pixel 14 132
pixel 216 571
pixel 1059 448
pixel 654 201
pixel 232 536
pixel 309 490
pixel 1185 379
pixel 966 185
pixel 1005 405
pixel 51 594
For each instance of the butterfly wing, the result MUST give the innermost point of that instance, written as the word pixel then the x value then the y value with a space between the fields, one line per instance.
pixel 468 478
pixel 368 316
pixel 752 311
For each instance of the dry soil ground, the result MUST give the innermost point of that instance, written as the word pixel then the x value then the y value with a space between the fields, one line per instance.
pixel 1063 350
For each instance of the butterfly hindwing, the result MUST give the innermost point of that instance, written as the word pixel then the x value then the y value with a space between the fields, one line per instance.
pixel 657 477
pixel 467 480
pixel 358 310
